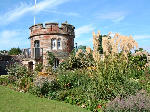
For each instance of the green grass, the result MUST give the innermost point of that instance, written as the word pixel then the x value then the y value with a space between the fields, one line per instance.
pixel 12 101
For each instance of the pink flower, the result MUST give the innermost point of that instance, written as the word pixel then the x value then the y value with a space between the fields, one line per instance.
pixel 99 106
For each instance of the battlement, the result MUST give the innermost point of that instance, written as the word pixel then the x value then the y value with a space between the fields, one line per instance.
pixel 51 29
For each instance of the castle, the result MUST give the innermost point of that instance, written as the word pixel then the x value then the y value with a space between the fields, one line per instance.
pixel 49 37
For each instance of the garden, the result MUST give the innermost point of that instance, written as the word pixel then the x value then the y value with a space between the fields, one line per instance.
pixel 110 78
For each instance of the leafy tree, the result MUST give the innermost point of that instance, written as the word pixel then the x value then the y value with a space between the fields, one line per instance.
pixel 14 51
pixel 82 47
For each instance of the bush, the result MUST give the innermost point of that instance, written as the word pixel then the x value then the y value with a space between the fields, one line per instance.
pixel 145 80
pixel 93 86
pixel 46 89
pixel 72 79
pixel 20 77
pixel 135 103
pixel 38 67
pixel 114 77
pixel 75 61
pixel 4 80
pixel 18 71
pixel 78 87
pixel 14 51
pixel 71 63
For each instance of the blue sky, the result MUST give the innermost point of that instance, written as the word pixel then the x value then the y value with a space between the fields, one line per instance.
pixel 127 17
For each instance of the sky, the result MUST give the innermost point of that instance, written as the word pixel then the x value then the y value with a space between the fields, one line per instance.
pixel 126 17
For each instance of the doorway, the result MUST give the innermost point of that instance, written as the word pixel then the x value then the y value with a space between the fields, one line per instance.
pixel 30 65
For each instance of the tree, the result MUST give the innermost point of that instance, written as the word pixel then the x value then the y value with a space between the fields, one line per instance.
pixel 83 48
pixel 14 51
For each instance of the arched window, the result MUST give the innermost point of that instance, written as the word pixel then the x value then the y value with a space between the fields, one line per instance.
pixel 59 43
pixel 53 44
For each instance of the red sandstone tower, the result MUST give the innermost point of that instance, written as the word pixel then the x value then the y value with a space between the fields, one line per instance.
pixel 50 37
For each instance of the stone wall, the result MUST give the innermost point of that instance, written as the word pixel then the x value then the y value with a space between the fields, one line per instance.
pixel 6 61
pixel 50 31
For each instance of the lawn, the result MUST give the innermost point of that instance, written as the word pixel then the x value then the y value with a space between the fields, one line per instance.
pixel 12 101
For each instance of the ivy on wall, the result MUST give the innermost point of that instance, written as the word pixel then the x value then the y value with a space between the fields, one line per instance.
pixel 51 58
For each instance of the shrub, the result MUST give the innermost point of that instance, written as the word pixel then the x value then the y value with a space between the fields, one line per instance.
pixel 14 51
pixel 46 89
pixel 77 61
pixel 114 77
pixel 71 63
pixel 145 80
pixel 78 87
pixel 72 79
pixel 135 103
pixel 38 67
pixel 4 80
pixel 20 77
pixel 18 71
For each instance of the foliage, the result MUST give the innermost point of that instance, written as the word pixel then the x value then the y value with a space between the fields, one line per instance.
pixel 14 51
pixel 4 80
pixel 38 67
pixel 92 87
pixel 78 60
pixel 46 88
pixel 83 81
pixel 17 70
pixel 100 48
pixel 83 48
pixel 20 76
pixel 51 59
pixel 71 63
pixel 72 79
pixel 145 80
pixel 135 103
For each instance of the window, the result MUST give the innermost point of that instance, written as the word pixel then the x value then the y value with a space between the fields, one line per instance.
pixel 59 43
pixel 36 44
pixel 56 63
pixel 51 27
pixel 53 45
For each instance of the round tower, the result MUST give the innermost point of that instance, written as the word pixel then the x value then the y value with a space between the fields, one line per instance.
pixel 50 37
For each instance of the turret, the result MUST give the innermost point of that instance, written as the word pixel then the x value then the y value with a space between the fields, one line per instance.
pixel 51 29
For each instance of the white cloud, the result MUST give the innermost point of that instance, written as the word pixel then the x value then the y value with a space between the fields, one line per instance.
pixel 26 8
pixel 63 13
pixel 118 19
pixel 84 30
pixel 49 4
pixel 113 16
pixel 141 36
pixel 12 38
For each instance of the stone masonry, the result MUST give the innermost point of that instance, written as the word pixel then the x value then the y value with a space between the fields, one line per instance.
pixel 50 37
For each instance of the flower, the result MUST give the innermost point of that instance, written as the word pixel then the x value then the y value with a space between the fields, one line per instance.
pixel 83 106
pixel 99 106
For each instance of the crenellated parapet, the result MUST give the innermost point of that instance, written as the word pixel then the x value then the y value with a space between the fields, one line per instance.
pixel 51 29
